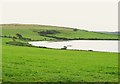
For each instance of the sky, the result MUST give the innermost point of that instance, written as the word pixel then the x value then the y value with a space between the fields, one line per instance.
pixel 101 15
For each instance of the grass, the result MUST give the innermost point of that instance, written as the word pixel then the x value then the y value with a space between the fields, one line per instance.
pixel 30 64
pixel 49 65
pixel 31 31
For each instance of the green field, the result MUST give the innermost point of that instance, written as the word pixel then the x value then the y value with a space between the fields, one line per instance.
pixel 31 31
pixel 31 64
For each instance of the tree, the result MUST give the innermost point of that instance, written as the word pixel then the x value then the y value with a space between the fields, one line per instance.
pixel 19 36
pixel 75 29
pixel 13 38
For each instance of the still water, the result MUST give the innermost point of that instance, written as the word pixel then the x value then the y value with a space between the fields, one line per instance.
pixel 95 45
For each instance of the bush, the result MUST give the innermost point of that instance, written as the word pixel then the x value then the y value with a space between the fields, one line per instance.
pixel 23 38
pixel 26 39
pixel 64 48
pixel 14 38
pixel 75 29
pixel 18 43
pixel 90 50
pixel 19 36
pixel 48 32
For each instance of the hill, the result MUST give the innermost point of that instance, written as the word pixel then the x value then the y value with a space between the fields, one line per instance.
pixel 43 32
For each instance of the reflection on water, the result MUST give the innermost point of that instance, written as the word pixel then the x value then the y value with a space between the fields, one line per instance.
pixel 95 45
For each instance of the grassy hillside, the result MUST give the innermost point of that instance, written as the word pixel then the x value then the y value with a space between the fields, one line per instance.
pixel 34 32
pixel 30 64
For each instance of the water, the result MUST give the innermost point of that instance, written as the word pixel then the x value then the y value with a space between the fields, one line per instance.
pixel 95 45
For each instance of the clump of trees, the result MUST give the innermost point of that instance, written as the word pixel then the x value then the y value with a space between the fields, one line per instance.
pixel 19 36
pixel 6 36
pixel 48 32
pixel 75 29
pixel 90 50
pixel 14 38
pixel 18 43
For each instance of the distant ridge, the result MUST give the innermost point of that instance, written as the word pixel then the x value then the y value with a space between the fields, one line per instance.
pixel 19 24
pixel 39 32
pixel 108 32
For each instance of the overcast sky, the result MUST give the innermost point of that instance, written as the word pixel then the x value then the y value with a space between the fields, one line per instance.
pixel 93 16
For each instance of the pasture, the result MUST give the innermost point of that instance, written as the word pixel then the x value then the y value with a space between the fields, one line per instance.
pixel 32 64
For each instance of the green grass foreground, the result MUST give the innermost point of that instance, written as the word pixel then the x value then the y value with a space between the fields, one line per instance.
pixel 27 64
pixel 30 64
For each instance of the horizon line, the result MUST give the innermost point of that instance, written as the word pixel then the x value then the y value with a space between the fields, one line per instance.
pixel 36 24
